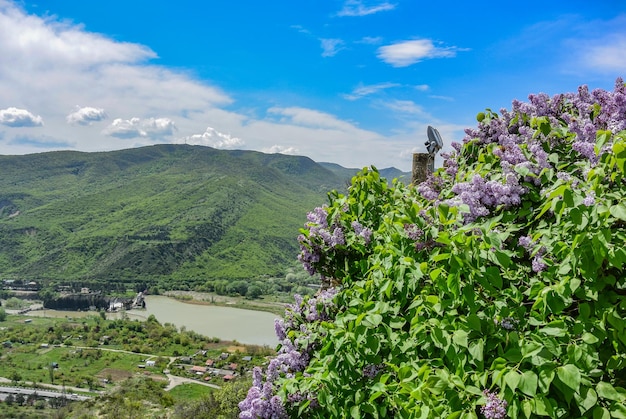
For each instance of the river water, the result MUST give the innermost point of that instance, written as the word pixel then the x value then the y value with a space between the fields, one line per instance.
pixel 227 323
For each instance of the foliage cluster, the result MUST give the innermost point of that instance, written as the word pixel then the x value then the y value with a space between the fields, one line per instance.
pixel 495 289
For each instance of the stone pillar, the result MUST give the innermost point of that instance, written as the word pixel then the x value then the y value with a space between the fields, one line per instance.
pixel 423 164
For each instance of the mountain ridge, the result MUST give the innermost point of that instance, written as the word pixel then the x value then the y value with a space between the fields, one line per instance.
pixel 170 214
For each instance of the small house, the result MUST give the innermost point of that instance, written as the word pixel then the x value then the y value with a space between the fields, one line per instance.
pixel 228 377
pixel 150 363
pixel 209 362
pixel 198 369
pixel 232 366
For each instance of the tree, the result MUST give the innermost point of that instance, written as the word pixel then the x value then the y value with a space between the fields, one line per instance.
pixel 495 288
pixel 3 314
pixel 254 291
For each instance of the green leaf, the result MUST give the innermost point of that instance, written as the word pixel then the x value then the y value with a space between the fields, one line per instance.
pixel 619 149
pixel 618 410
pixel 589 338
pixel 512 379
pixel 372 320
pixel 569 375
pixel 473 321
pixel 528 383
pixel 586 400
pixel 546 375
pixel 618 211
pixel 600 412
pixel 607 391
pixel 476 350
pixel 460 338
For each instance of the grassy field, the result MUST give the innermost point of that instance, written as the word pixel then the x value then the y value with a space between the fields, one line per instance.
pixel 190 391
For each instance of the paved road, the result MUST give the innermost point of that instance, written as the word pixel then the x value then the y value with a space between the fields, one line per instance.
pixel 41 392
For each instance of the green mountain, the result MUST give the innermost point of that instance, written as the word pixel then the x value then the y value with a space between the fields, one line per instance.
pixel 173 213
pixel 346 174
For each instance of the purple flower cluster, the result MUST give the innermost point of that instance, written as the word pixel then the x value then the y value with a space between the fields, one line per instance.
pixel 413 232
pixel 479 194
pixel 590 199
pixel 361 231
pixel 507 323
pixel 260 402
pixel 521 146
pixel 293 355
pixel 322 238
pixel 495 408
pixel 538 263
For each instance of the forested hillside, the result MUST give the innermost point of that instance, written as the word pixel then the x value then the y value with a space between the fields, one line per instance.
pixel 167 213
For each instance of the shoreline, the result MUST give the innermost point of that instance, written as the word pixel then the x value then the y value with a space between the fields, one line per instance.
pixel 202 298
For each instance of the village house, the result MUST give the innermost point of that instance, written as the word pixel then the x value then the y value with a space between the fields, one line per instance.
pixel 197 369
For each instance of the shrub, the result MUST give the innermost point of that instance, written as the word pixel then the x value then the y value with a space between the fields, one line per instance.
pixel 494 289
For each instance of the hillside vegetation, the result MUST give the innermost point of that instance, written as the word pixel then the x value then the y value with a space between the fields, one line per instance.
pixel 173 214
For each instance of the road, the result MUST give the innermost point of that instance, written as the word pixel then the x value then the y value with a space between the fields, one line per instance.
pixel 41 393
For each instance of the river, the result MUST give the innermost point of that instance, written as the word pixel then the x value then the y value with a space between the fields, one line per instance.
pixel 227 323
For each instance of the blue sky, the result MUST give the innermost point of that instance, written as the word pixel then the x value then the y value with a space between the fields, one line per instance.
pixel 355 82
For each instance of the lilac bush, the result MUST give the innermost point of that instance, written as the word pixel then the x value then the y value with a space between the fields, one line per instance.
pixel 495 289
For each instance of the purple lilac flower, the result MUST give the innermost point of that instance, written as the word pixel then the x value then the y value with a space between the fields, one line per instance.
pixel 590 199
pixel 538 264
pixel 318 216
pixel 430 188
pixel 413 232
pixel 508 323
pixel 279 329
pixel 361 231
pixel 526 242
pixel 495 407
pixel 337 239
pixel 586 149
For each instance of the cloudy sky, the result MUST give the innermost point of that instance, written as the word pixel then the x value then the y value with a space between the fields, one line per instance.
pixel 355 82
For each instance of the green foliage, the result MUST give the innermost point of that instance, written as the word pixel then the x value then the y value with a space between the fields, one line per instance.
pixel 219 404
pixel 3 314
pixel 493 283
pixel 171 215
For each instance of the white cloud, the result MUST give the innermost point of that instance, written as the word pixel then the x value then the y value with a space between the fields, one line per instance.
pixel 15 117
pixel 310 118
pixel 280 149
pixel 330 47
pixel 405 107
pixel 50 41
pixel 359 8
pixel 87 68
pixel 371 40
pixel 365 90
pixel 86 116
pixel 406 53
pixel 137 127
pixel 213 138
pixel 605 55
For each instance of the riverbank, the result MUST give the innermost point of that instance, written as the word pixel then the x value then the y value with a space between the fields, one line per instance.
pixel 212 299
